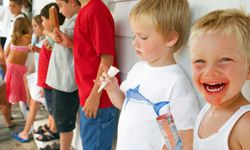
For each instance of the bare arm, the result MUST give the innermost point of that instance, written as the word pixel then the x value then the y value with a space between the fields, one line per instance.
pixel 115 94
pixel 187 139
pixel 2 59
pixel 239 136
pixel 92 102
pixel 7 51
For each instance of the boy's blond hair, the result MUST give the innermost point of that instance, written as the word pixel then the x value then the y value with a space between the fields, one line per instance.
pixel 166 16
pixel 229 22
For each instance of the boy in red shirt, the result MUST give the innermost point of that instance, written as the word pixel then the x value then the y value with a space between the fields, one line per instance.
pixel 93 45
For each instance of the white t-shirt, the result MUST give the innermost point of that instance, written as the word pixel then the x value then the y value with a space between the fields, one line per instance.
pixel 219 140
pixel 60 74
pixel 144 86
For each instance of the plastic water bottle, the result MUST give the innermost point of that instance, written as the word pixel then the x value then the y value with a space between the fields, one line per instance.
pixel 169 131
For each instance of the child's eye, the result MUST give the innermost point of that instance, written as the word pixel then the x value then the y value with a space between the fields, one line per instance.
pixel 225 59
pixel 198 61
pixel 144 38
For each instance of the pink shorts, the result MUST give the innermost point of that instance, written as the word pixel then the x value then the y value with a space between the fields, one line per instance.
pixel 15 89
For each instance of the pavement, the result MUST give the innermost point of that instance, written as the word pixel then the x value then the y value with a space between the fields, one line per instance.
pixel 6 141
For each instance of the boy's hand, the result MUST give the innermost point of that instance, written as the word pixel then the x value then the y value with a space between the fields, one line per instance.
pixel 47 44
pixel 164 147
pixel 31 48
pixel 63 39
pixel 112 82
pixel 91 107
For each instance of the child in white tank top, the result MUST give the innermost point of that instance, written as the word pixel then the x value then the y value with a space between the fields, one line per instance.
pixel 220 54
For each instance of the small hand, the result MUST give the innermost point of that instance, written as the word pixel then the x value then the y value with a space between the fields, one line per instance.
pixel 91 107
pixel 41 92
pixel 164 147
pixel 47 44
pixel 31 48
pixel 112 83
pixel 63 39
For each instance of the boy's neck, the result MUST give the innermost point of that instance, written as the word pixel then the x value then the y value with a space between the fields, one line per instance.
pixel 165 60
pixel 84 2
pixel 75 11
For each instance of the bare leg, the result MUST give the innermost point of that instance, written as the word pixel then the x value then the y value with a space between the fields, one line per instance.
pixel 53 125
pixel 65 140
pixel 4 106
pixel 30 119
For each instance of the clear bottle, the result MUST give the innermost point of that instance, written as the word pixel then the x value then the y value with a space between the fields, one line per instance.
pixel 169 131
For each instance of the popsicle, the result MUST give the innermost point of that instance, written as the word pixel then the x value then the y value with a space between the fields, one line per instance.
pixel 53 17
pixel 111 72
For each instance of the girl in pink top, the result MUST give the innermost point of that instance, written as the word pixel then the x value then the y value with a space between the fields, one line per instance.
pixel 16 55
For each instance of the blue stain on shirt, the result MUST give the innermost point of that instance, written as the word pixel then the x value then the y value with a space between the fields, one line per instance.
pixel 136 95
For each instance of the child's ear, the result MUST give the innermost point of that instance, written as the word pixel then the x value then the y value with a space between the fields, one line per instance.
pixel 172 39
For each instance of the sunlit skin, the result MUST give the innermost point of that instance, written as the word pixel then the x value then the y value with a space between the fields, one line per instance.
pixel 150 46
pixel 219 67
pixel 66 8
pixel 37 29
pixel 46 24
pixel 15 9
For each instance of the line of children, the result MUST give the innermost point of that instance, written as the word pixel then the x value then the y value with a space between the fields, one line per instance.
pixel 161 28
pixel 220 62
pixel 220 54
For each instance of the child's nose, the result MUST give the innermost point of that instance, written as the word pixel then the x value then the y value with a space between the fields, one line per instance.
pixel 211 71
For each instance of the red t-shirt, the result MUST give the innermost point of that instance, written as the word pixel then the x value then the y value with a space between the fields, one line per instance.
pixel 93 35
pixel 43 64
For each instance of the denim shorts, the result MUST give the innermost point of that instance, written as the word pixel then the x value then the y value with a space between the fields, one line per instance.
pixel 47 96
pixel 65 106
pixel 99 133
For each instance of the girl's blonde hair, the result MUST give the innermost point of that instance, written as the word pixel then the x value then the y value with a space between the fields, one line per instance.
pixel 229 22
pixel 166 16
pixel 22 26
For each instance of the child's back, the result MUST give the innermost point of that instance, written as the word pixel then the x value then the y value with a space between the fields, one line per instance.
pixel 16 56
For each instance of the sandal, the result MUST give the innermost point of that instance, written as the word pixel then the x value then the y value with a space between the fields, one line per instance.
pixel 54 146
pixel 48 136
pixel 19 139
pixel 41 129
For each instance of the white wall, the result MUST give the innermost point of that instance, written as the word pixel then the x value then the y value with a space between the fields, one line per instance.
pixel 125 52
pixel 37 5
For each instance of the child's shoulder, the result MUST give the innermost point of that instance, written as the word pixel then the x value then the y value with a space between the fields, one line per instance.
pixel 245 118
pixel 240 130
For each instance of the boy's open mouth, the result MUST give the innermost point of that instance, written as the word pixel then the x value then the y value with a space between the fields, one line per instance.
pixel 214 87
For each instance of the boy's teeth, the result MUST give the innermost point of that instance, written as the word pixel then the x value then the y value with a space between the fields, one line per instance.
pixel 214 87
pixel 214 90
pixel 213 83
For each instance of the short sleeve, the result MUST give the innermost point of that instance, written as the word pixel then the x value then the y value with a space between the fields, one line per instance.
pixel 184 105
pixel 102 35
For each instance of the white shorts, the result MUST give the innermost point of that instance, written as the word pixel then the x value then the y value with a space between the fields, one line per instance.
pixel 35 90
